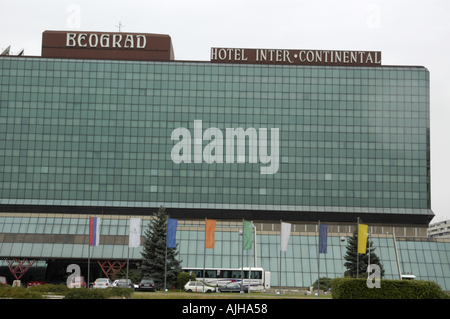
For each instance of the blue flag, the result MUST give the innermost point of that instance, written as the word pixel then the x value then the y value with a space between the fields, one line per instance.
pixel 171 233
pixel 323 235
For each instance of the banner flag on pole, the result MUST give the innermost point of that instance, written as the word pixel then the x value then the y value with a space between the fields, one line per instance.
pixel 171 233
pixel 209 233
pixel 323 236
pixel 94 231
pixel 285 233
pixel 134 237
pixel 362 238
pixel 247 235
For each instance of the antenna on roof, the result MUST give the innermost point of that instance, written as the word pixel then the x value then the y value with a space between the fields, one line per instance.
pixel 21 52
pixel 6 51
pixel 120 26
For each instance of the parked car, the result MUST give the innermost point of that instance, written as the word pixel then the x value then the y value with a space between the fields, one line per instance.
pixel 35 283
pixel 102 283
pixel 147 284
pixel 3 280
pixel 77 282
pixel 196 286
pixel 232 287
pixel 123 283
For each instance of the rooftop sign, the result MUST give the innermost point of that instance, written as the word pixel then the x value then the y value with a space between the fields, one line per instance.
pixel 296 57
pixel 107 46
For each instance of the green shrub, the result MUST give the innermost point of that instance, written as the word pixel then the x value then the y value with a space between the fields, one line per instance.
pixel 83 293
pixel 50 289
pixel 352 288
pixel 183 279
pixel 120 292
pixel 19 293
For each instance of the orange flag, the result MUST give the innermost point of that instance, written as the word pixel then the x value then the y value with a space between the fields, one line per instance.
pixel 209 233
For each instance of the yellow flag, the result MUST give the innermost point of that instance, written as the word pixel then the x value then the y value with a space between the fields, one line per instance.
pixel 362 239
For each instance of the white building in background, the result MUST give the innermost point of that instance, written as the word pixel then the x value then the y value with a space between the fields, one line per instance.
pixel 439 229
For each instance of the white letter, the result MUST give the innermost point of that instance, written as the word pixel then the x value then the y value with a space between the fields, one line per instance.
pixel 374 20
pixel 198 141
pixel 138 40
pixel 274 145
pixel 93 44
pixel 117 42
pixel 213 54
pixel 129 40
pixel 184 145
pixel 240 134
pixel 216 145
pixel 76 273
pixel 73 21
pixel 70 41
pixel 82 36
pixel 376 276
pixel 104 40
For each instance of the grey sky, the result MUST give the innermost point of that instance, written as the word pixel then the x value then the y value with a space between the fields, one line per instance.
pixel 407 32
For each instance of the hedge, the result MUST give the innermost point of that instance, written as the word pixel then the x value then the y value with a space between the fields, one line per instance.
pixel 352 288
pixel 41 291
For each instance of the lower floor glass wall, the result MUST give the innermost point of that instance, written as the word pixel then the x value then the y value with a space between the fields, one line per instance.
pixel 64 237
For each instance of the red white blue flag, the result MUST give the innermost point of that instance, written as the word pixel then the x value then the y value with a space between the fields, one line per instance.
pixel 94 231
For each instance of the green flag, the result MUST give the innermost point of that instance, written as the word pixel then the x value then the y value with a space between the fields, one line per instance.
pixel 248 235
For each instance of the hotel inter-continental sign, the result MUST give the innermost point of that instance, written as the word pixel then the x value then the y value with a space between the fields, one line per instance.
pixel 296 57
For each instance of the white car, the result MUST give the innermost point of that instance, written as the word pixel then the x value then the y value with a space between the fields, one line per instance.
pixel 102 283
pixel 196 286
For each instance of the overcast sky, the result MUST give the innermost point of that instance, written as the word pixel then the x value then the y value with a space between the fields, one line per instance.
pixel 406 32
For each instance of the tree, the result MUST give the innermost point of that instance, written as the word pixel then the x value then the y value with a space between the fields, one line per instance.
pixel 351 258
pixel 154 252
pixel 325 283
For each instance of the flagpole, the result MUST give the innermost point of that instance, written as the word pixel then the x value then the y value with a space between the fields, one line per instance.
pixel 281 225
pixel 89 253
pixel 357 253
pixel 204 260
pixel 242 259
pixel 318 265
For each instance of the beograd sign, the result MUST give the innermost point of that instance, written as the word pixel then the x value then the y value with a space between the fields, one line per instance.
pixel 296 57
pixel 107 46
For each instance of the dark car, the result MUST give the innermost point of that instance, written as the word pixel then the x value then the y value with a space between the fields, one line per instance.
pixel 147 284
pixel 232 287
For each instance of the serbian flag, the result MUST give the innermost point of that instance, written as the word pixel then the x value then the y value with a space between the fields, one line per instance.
pixel 94 231
pixel 209 233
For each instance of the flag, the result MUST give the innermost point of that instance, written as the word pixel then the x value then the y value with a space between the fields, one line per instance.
pixel 94 231
pixel 323 236
pixel 209 233
pixel 362 238
pixel 247 235
pixel 285 233
pixel 171 233
pixel 134 237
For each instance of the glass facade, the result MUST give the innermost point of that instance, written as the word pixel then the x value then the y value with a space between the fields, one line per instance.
pixel 99 133
pixel 55 236
pixel 346 141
